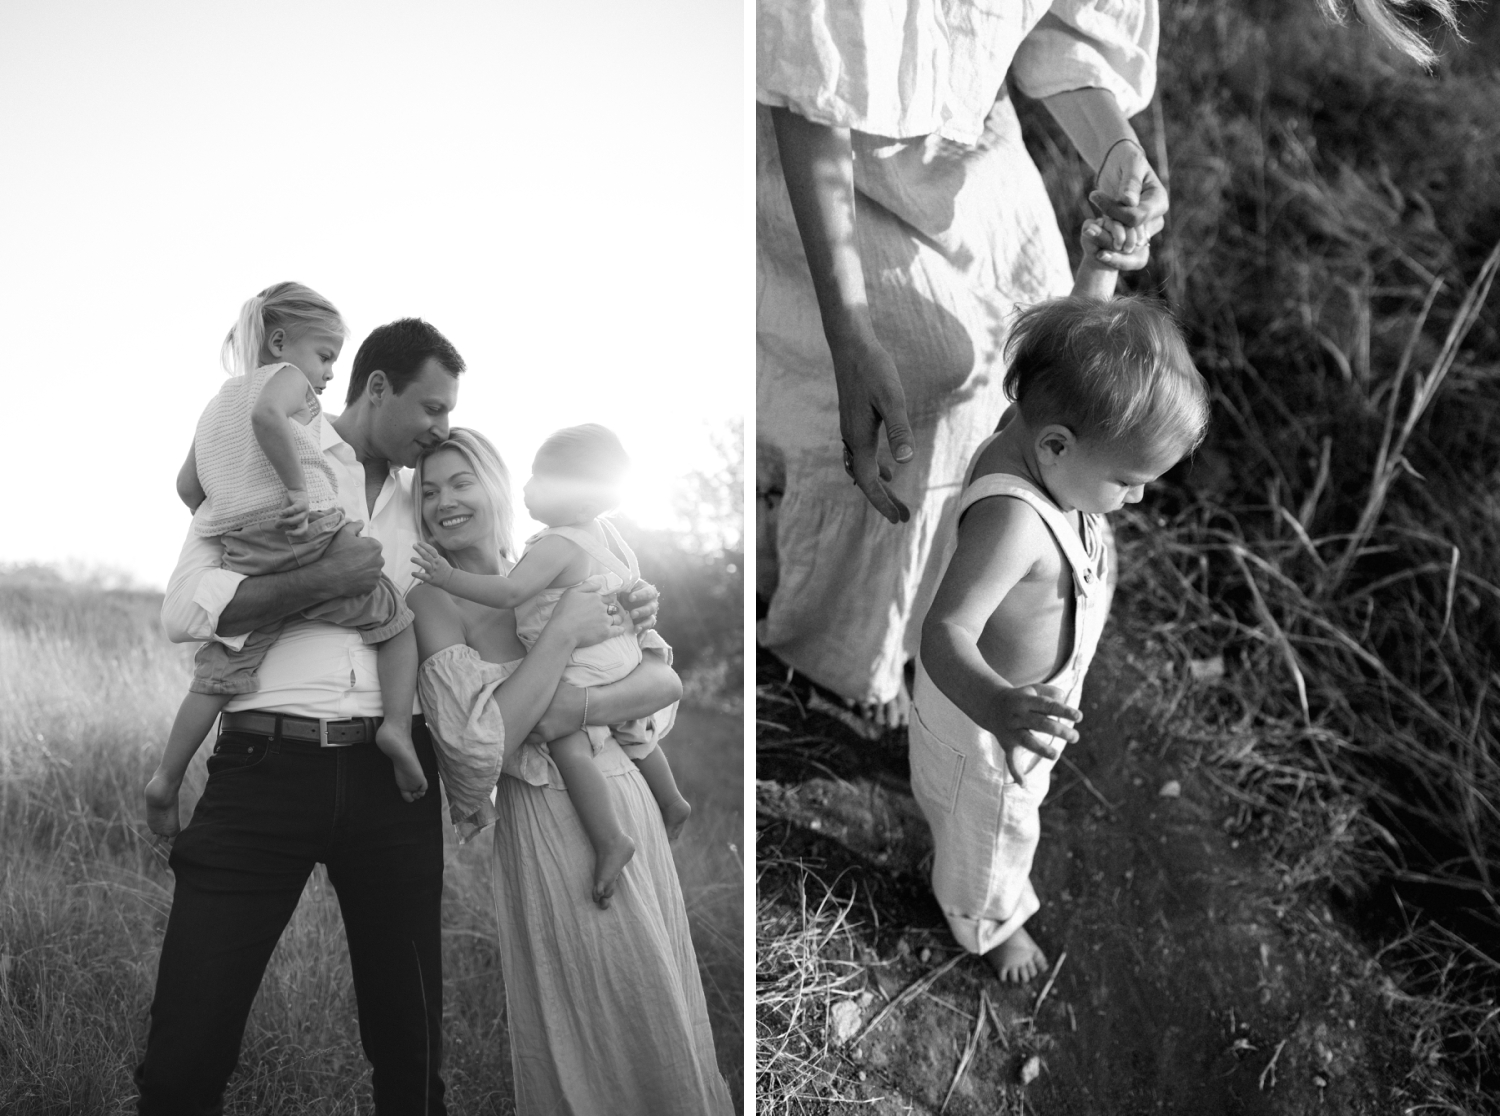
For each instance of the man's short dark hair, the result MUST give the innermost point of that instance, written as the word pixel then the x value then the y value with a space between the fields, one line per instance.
pixel 399 349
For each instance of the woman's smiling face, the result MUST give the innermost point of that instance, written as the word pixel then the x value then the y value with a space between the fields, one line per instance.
pixel 455 508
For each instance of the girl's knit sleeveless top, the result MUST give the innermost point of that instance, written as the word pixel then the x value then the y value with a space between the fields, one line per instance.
pixel 242 486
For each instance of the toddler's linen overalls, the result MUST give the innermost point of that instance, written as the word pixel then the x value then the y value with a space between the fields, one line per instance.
pixel 984 825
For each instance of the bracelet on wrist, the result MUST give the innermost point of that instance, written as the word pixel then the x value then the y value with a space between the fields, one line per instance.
pixel 585 723
pixel 1105 161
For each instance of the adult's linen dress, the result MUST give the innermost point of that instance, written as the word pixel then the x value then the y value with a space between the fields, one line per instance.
pixel 955 233
pixel 605 1007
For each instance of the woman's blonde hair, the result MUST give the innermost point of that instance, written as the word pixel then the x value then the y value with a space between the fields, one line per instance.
pixel 289 306
pixel 493 477
pixel 1387 19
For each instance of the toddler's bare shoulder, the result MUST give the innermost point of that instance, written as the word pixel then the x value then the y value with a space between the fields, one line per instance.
pixel 1009 522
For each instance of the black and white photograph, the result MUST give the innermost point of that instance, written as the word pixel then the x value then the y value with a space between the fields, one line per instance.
pixel 372 571
pixel 1127 562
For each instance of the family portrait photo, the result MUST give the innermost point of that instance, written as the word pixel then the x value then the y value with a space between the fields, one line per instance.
pixel 371 716
pixel 1127 564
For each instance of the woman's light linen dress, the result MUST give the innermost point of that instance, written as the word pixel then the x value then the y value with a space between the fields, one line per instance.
pixel 605 1008
pixel 955 233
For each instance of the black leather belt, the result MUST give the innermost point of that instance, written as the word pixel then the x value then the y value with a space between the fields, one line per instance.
pixel 284 726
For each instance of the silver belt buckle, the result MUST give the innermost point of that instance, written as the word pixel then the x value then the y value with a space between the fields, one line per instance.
pixel 323 737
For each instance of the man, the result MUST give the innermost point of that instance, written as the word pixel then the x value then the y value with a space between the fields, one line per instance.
pixel 295 778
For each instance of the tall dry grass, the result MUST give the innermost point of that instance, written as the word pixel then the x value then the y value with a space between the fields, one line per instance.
pixel 88 686
pixel 1335 231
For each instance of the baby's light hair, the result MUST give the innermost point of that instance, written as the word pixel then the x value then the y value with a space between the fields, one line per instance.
pixel 590 453
pixel 289 306
pixel 1112 371
pixel 494 479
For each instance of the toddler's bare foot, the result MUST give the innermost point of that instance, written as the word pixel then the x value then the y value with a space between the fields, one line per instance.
pixel 395 742
pixel 1017 959
pixel 609 862
pixel 675 815
pixel 161 807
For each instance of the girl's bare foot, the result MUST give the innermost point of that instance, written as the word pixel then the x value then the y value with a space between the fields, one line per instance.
pixel 675 815
pixel 1017 959
pixel 396 743
pixel 609 862
pixel 161 807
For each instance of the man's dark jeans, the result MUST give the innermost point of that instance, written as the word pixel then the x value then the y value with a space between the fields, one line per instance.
pixel 269 812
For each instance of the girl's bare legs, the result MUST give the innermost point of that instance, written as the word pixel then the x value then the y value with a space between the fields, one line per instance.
pixel 396 663
pixel 675 810
pixel 588 790
pixel 195 716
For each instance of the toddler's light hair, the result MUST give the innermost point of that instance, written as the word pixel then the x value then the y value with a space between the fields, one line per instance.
pixel 494 479
pixel 289 306
pixel 1111 371
pixel 589 453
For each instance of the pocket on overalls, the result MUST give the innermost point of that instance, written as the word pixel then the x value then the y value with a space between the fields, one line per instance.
pixel 937 768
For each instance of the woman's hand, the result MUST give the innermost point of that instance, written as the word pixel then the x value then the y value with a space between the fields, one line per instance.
pixel 871 395
pixel 563 716
pixel 1129 192
pixel 585 615
pixel 432 567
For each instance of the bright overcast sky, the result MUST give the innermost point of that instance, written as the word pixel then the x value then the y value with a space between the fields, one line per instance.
pixel 559 188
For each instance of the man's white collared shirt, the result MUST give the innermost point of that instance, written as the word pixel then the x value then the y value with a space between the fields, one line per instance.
pixel 314 669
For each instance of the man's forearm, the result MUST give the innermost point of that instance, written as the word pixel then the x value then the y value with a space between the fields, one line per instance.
pixel 263 600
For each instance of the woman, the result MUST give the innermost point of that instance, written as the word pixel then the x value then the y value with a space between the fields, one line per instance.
pixel 606 1010
pixel 900 223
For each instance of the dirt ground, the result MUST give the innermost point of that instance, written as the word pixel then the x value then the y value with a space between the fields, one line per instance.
pixel 1188 979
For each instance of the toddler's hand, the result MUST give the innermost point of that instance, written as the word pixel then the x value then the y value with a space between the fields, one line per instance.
pixel 1023 717
pixel 1111 244
pixel 293 517
pixel 432 567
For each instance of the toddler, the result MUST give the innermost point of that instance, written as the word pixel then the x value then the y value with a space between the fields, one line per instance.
pixel 575 480
pixel 1106 399
pixel 256 478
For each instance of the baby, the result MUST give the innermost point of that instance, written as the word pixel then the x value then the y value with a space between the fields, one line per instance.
pixel 575 479
pixel 1106 399
pixel 256 478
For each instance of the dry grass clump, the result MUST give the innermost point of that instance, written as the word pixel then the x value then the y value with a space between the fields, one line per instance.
pixel 806 959
pixel 1327 572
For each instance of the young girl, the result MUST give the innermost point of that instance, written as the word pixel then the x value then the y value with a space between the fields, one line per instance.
pixel 256 478
pixel 574 480
pixel 1106 400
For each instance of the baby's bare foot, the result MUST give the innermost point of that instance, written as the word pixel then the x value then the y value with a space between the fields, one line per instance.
pixel 1017 959
pixel 609 862
pixel 675 815
pixel 396 743
pixel 161 807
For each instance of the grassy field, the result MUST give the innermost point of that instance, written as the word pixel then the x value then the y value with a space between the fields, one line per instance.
pixel 1317 594
pixel 88 686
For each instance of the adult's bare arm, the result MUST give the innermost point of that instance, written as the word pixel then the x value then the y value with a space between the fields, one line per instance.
pixel 817 162
pixel 1128 189
pixel 351 565
pixel 650 687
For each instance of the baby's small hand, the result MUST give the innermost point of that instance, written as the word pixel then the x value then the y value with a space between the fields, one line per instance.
pixel 293 517
pixel 1111 244
pixel 1022 717
pixel 432 567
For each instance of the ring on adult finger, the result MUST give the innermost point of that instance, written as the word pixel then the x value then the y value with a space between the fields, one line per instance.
pixel 848 459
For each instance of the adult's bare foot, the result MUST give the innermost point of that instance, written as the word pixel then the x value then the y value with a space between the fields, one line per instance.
pixel 1017 959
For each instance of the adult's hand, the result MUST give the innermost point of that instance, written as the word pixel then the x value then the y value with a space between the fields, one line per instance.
pixel 871 396
pixel 1128 191
pixel 586 615
pixel 351 565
